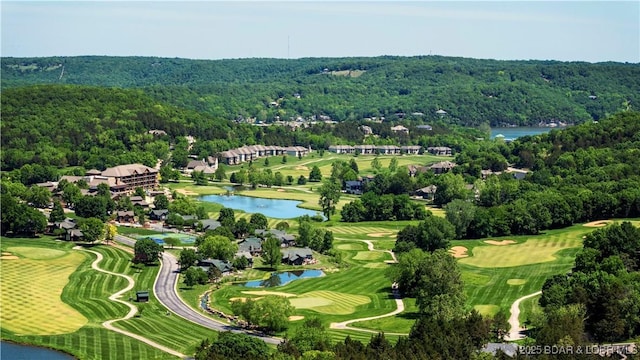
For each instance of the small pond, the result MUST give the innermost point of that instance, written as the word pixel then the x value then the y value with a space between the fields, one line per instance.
pixel 159 238
pixel 11 351
pixel 281 278
pixel 273 208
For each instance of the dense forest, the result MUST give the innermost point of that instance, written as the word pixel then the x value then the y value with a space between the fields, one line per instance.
pixel 471 91
pixel 59 126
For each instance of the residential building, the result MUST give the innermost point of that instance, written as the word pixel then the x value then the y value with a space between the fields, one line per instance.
pixel 131 176
pixel 296 256
pixel 440 150
pixel 400 129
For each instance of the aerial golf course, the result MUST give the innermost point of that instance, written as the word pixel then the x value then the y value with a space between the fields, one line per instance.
pixel 51 295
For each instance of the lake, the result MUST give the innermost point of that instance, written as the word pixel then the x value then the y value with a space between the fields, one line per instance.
pixel 11 351
pixel 511 133
pixel 282 278
pixel 273 208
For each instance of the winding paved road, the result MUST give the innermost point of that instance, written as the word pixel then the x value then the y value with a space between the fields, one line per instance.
pixel 132 309
pixel 165 291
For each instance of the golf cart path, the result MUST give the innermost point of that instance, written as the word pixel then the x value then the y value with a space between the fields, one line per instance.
pixel 396 294
pixel 515 331
pixel 132 309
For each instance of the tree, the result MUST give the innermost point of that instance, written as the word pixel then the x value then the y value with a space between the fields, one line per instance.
pixel 302 180
pixel 311 335
pixel 71 194
pixel 330 192
pixel 92 229
pixel 393 165
pixel 376 165
pixel 38 196
pixel 227 217
pixel 242 228
pixel 434 279
pixel 430 235
pixel 110 232
pixel 199 178
pixel 232 346
pixel 147 251
pixel 188 258
pixel 259 221
pixel 271 312
pixel 271 252
pixel 460 214
pixel 171 241
pixel 57 213
pixel 195 275
pixel 140 192
pixel 217 247
pixel 315 175
pixel 220 173
pixel 161 202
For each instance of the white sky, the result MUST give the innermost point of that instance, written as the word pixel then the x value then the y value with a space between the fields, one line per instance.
pixel 569 31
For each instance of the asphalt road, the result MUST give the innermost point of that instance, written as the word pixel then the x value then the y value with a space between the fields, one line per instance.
pixel 165 291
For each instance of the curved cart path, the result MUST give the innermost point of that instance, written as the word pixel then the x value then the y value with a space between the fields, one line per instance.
pixel 399 304
pixel 165 290
pixel 516 331
pixel 132 309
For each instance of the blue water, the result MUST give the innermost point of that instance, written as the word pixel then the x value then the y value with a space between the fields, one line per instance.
pixel 159 238
pixel 511 133
pixel 11 351
pixel 273 208
pixel 282 278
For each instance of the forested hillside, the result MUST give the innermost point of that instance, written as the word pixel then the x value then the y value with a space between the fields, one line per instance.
pixel 94 127
pixel 472 91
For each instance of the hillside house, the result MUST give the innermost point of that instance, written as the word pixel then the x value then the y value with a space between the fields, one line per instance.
pixel 427 192
pixel 342 149
pixel 365 149
pixel 411 149
pixel 223 266
pixel 440 150
pixel 125 217
pixel 158 215
pixel 296 256
pixel 399 129
pixel 442 167
pixel 252 245
pixel 355 187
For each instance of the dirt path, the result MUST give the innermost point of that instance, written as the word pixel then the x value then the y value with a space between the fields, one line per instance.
pixel 399 304
pixel 132 309
pixel 516 331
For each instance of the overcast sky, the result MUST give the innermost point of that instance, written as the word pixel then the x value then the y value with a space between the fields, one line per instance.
pixel 591 31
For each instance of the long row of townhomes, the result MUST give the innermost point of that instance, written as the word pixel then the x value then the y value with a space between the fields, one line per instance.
pixel 252 152
pixel 387 149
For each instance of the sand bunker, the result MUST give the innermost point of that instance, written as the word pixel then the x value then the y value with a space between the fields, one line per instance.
pixel 499 243
pixel 302 167
pixel 295 317
pixel 282 190
pixel 380 234
pixel 599 223
pixel 186 192
pixel 458 251
pixel 9 257
pixel 265 293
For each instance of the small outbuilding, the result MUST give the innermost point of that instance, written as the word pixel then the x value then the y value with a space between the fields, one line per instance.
pixel 142 296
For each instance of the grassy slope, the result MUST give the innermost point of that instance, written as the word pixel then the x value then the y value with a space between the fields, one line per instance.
pixel 87 292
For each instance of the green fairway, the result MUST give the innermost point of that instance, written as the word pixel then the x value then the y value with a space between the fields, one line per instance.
pixel 86 292
pixel 34 307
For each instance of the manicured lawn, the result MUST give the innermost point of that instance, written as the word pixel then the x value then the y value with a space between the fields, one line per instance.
pixel 86 292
